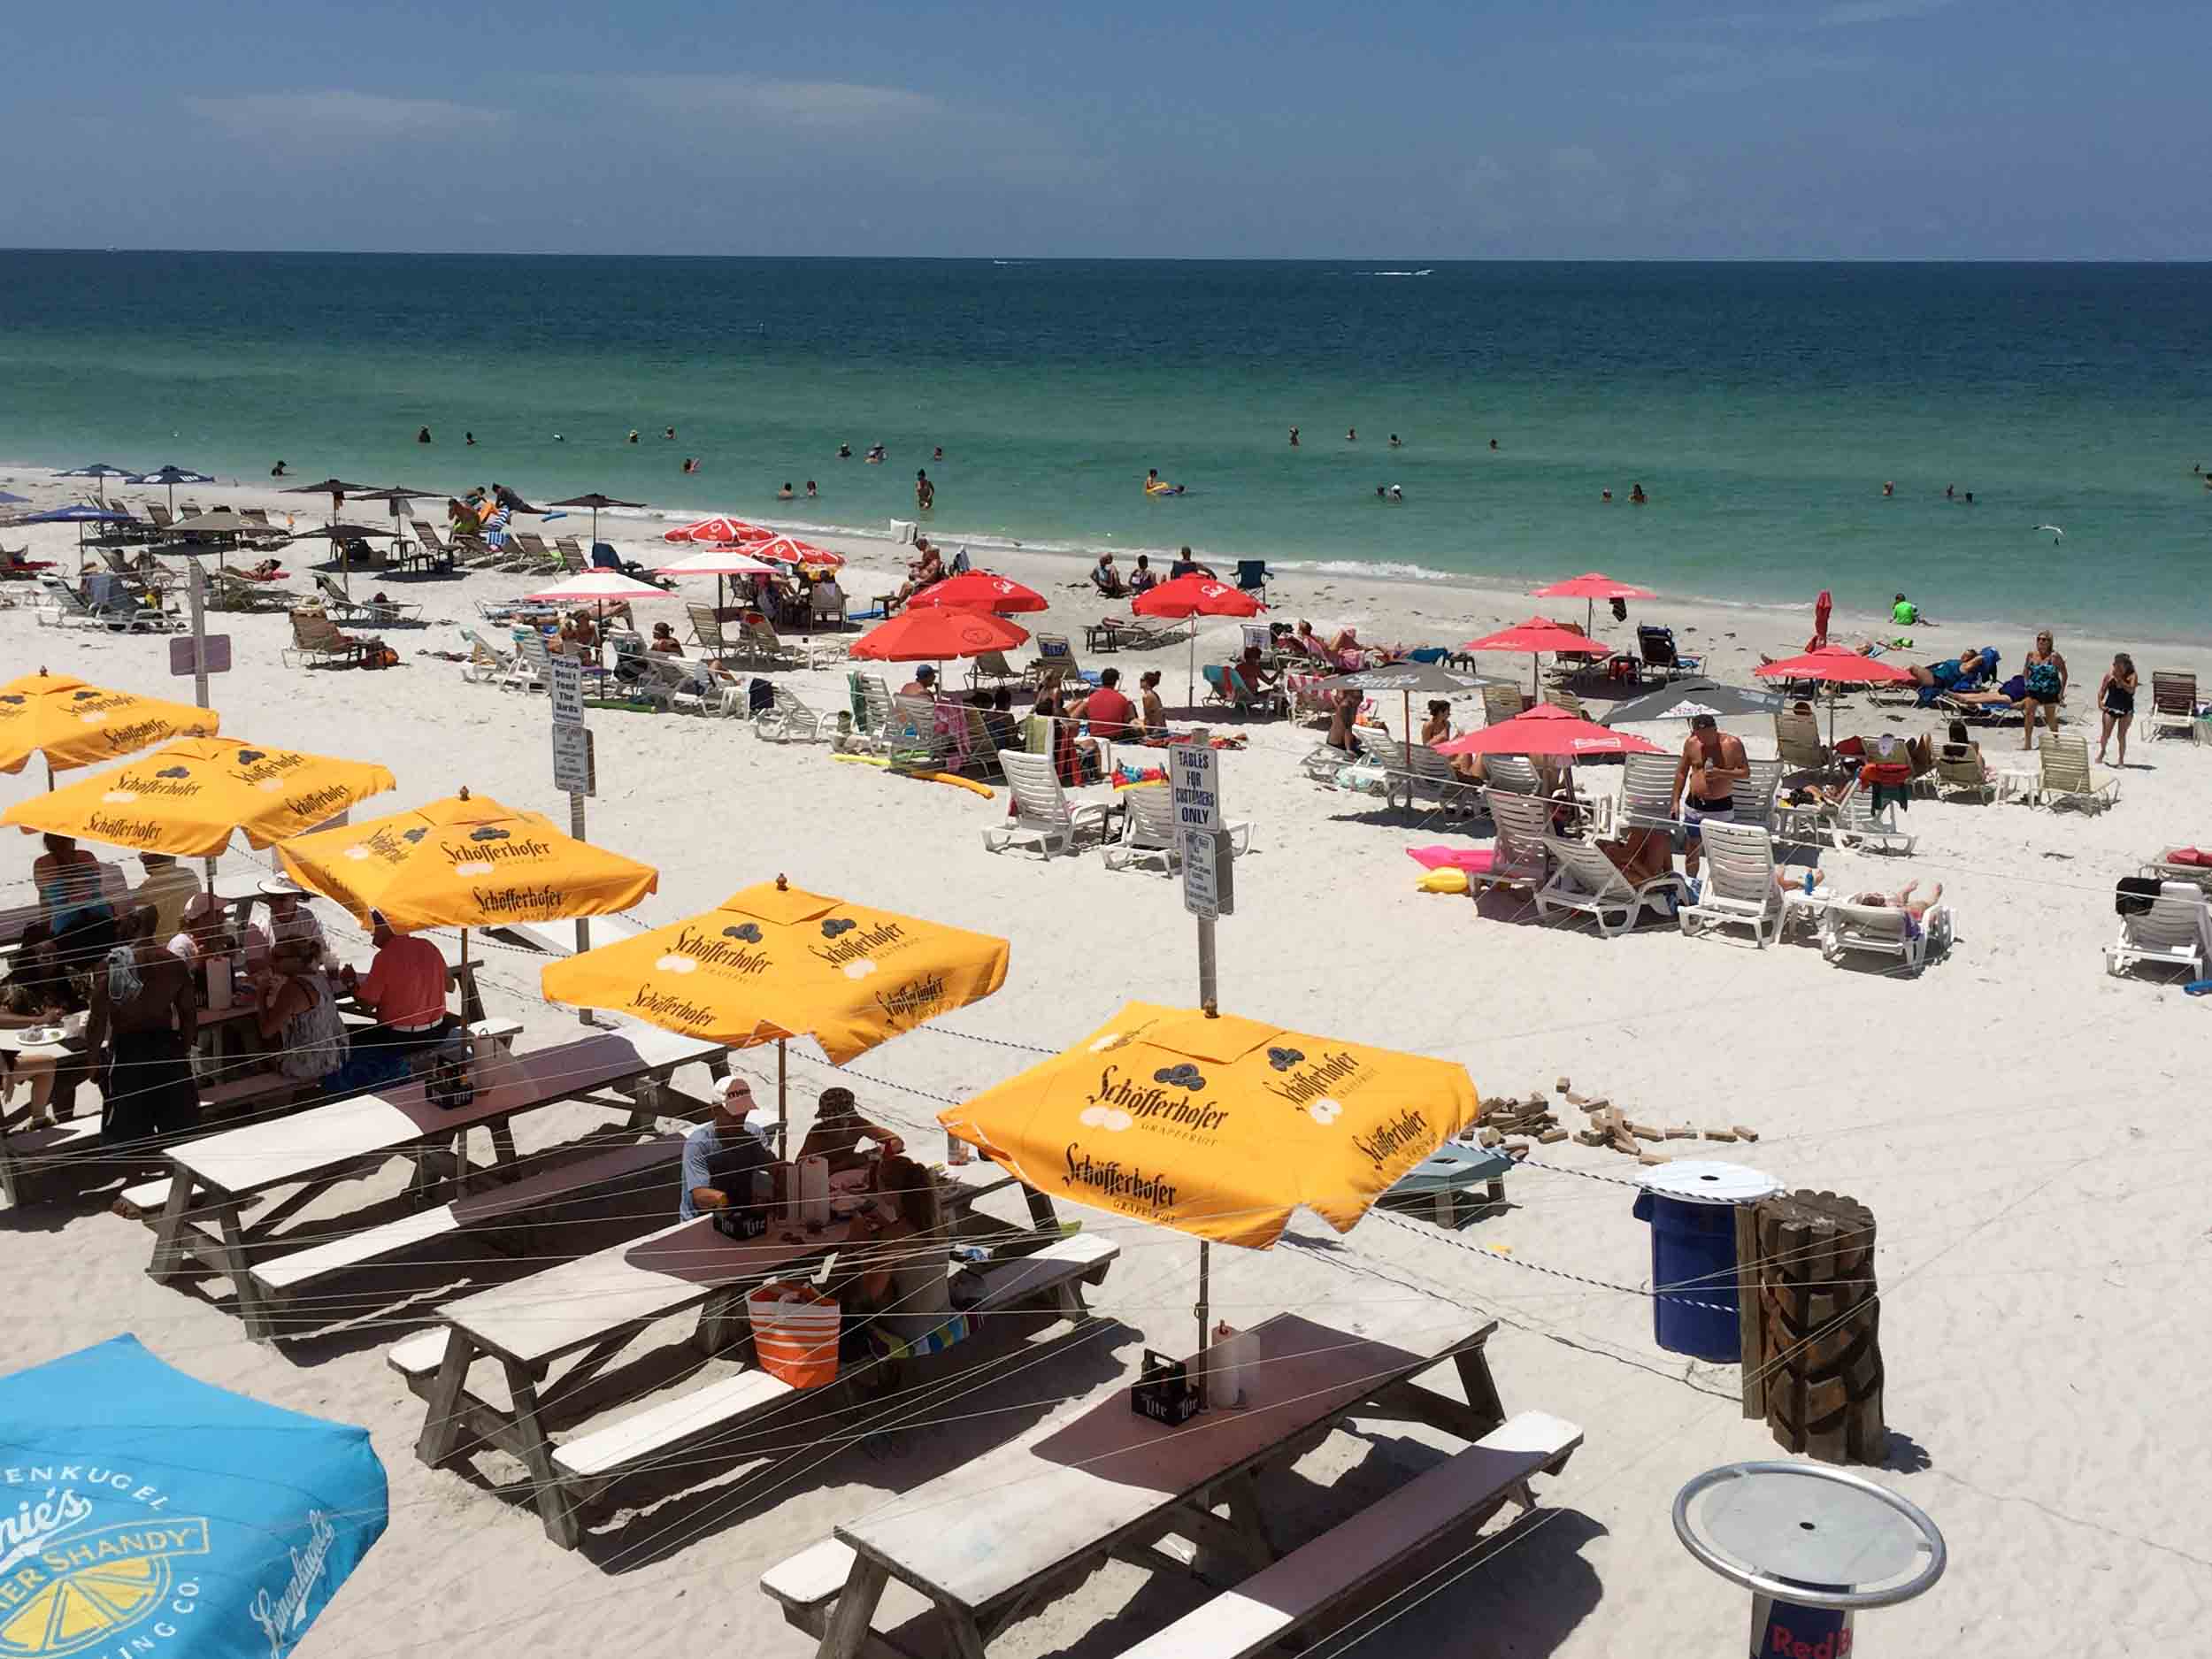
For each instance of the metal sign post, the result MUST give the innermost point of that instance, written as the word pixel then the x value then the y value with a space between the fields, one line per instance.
pixel 192 588
pixel 1208 894
pixel 573 771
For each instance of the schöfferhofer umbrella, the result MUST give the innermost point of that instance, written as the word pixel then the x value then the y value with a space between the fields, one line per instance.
pixel 73 724
pixel 1217 1125
pixel 158 1514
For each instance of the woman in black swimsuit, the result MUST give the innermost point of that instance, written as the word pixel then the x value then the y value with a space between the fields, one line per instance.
pixel 2115 695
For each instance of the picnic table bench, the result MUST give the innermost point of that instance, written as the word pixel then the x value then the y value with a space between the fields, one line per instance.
pixel 212 1178
pixel 587 1311
pixel 1055 1504
pixel 1447 1178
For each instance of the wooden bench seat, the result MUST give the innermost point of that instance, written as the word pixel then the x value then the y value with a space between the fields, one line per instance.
pixel 25 1156
pixel 602 1453
pixel 571 1182
pixel 1327 1574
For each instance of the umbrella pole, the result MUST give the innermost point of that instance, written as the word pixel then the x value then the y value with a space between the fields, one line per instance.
pixel 1204 1311
pixel 1190 681
pixel 783 1106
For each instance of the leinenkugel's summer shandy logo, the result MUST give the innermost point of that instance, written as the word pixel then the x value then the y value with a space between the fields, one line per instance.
pixel 92 1561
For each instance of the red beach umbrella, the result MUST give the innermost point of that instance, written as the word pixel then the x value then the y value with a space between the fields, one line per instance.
pixel 934 633
pixel 1537 636
pixel 721 528
pixel 1549 731
pixel 1593 585
pixel 980 590
pixel 1836 666
pixel 1194 595
pixel 787 550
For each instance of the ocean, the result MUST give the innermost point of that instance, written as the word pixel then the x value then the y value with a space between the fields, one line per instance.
pixel 1761 407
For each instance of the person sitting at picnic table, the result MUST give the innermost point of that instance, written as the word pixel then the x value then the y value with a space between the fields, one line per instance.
pixel 36 993
pixel 140 1033
pixel 722 1155
pixel 168 886
pixel 72 901
pixel 839 1129
pixel 1107 578
pixel 404 989
pixel 664 641
pixel 206 933
pixel 299 1015
pixel 1143 578
pixel 902 1287
pixel 289 919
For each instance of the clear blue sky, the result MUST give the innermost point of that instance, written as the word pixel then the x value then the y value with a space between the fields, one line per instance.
pixel 1575 129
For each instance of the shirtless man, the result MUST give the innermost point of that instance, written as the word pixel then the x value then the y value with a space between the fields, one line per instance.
pixel 839 1128
pixel 1705 782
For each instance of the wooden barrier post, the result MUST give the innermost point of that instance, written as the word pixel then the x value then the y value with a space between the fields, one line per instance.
pixel 1819 1336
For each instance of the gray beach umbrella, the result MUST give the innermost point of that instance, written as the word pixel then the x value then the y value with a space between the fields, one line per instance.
pixel 1687 699
pixel 396 499
pixel 596 501
pixel 169 478
pixel 1410 679
pixel 223 521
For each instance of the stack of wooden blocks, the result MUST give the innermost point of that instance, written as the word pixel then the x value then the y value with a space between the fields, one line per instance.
pixel 1609 1126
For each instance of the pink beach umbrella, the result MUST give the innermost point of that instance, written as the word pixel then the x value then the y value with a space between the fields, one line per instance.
pixel 1593 585
pixel 1835 666
pixel 1537 636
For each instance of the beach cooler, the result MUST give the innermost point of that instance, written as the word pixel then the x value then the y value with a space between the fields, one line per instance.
pixel 1691 1204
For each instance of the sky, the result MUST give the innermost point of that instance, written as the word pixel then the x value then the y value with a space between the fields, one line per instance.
pixel 1577 129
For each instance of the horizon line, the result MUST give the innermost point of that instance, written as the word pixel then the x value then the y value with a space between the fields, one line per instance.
pixel 1432 260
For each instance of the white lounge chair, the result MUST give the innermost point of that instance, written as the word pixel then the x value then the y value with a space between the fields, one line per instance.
pixel 1149 836
pixel 1739 886
pixel 1043 818
pixel 1517 855
pixel 1586 881
pixel 531 667
pixel 1648 791
pixel 2176 931
pixel 1850 823
pixel 1754 795
pixel 790 721
pixel 487 664
pixel 2069 780
pixel 1885 931
pixel 1514 774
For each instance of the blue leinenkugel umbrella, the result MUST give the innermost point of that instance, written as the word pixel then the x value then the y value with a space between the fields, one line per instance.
pixel 9 498
pixel 151 1512
pixel 169 478
pixel 99 470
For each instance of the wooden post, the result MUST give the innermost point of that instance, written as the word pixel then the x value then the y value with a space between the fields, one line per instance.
pixel 1753 1356
pixel 1819 1317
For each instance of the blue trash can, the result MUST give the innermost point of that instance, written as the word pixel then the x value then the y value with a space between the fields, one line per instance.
pixel 1691 1204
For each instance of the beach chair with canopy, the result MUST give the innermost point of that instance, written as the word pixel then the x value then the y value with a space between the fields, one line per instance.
pixel 1737 889
pixel 2174 930
pixel 2173 702
pixel 1586 882
pixel 2068 779
pixel 1043 819
pixel 1885 930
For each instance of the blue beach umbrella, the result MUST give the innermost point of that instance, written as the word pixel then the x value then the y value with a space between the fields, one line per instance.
pixel 9 498
pixel 80 515
pixel 169 478
pixel 99 470
pixel 154 1513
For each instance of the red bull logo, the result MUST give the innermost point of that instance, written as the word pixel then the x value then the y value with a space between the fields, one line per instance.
pixel 1805 1633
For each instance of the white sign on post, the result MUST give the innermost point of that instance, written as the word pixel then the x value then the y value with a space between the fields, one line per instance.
pixel 1193 772
pixel 1208 874
pixel 573 771
pixel 565 686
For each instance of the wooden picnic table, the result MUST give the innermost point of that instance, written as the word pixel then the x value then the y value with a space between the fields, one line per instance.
pixel 212 1178
pixel 988 1541
pixel 594 1308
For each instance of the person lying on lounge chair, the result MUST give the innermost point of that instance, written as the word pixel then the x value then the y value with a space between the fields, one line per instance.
pixel 2011 694
pixel 1903 900
pixel 1641 855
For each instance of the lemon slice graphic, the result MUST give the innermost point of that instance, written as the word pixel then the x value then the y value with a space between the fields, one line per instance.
pixel 85 1608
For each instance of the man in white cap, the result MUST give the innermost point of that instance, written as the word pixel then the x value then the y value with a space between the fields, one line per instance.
pixel 721 1155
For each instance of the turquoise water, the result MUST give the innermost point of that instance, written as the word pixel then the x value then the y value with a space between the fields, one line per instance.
pixel 1761 406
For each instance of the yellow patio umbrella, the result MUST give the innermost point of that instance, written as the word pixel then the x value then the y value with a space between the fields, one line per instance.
pixel 1217 1125
pixel 465 862
pixel 187 798
pixel 73 724
pixel 773 962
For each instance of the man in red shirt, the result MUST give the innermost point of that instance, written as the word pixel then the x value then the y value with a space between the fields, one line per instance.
pixel 1108 711
pixel 404 989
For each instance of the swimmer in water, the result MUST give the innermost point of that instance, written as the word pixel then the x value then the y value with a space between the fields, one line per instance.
pixel 422 436
pixel 691 463
pixel 1493 443
pixel 924 492
pixel 1950 492
pixel 277 470
pixel 809 490
pixel 1889 486
pixel 1605 494
pixel 558 438
pixel 1393 441
pixel 668 435
pixel 1351 434
pixel 785 493
pixel 937 454
pixel 468 439
pixel 1636 494
pixel 844 451
pixel 1397 493
pixel 634 434
pixel 1293 437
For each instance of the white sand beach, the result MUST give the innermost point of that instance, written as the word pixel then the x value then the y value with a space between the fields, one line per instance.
pixel 2019 1122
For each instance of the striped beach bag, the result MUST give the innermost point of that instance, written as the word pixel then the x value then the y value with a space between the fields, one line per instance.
pixel 795 1332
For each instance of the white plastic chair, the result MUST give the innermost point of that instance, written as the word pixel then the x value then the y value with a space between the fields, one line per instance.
pixel 2176 931
pixel 1883 930
pixel 1150 837
pixel 1586 881
pixel 1739 886
pixel 789 720
pixel 1044 820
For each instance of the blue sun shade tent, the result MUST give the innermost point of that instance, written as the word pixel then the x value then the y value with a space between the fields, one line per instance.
pixel 142 1511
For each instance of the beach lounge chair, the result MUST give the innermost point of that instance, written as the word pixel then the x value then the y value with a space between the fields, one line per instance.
pixel 486 662
pixel 531 666
pixel 872 711
pixel 2169 866
pixel 567 554
pixel 789 720
pixel 826 606
pixel 318 642
pixel 2174 932
pixel 1514 774
pixel 1660 660
pixel 1754 795
pixel 1433 778
pixel 1043 819
pixel 1149 837
pixel 1648 792
pixel 1519 857
pixel 1056 663
pixel 1500 703
pixel 760 644
pixel 61 604
pixel 991 670
pixel 1967 772
pixel 387 615
pixel 706 632
pixel 1253 576
pixel 1850 823
pixel 2173 702
pixel 1568 700
pixel 161 519
pixel 1586 881
pixel 226 592
pixel 1797 742
pixel 2067 780
pixel 1737 889
pixel 1884 931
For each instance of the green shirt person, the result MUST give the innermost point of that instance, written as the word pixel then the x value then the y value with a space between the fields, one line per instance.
pixel 1904 613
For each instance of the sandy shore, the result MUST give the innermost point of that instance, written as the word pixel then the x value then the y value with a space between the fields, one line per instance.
pixel 2018 1121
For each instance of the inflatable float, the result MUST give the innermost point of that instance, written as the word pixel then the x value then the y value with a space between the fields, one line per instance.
pixel 953 777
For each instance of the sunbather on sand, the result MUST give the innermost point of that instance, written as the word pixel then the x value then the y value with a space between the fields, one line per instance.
pixel 1964 668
